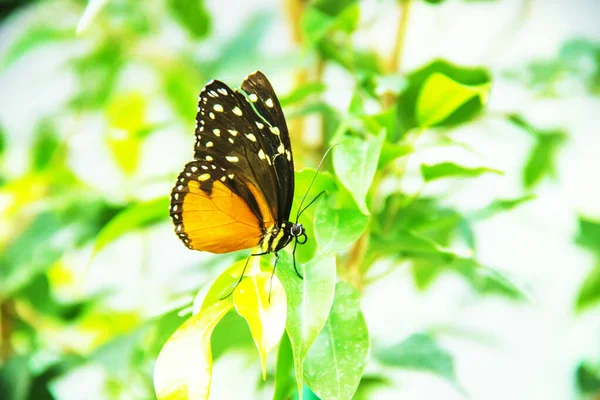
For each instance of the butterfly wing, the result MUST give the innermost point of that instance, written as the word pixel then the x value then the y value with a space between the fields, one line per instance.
pixel 276 137
pixel 209 214
pixel 230 195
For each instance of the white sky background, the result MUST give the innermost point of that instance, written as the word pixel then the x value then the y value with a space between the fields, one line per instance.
pixel 526 351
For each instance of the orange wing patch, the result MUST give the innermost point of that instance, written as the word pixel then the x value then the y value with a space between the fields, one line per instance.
pixel 219 223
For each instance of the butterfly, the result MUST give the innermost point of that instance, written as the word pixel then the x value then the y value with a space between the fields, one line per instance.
pixel 238 191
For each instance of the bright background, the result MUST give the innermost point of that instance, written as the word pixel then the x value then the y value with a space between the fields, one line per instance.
pixel 98 122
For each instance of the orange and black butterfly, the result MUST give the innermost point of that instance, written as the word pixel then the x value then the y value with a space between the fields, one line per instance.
pixel 238 191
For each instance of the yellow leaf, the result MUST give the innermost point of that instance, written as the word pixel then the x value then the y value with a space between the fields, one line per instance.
pixel 127 112
pixel 265 317
pixel 126 151
pixel 183 369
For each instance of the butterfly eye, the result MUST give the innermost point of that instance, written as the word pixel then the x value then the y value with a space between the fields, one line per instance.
pixel 297 230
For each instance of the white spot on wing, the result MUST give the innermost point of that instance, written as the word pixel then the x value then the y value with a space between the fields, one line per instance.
pixel 232 158
pixel 218 108
pixel 260 125
pixel 233 132
pixel 261 154
pixel 253 97
pixel 236 110
pixel 269 102
pixel 209 144
pixel 217 132
pixel 251 137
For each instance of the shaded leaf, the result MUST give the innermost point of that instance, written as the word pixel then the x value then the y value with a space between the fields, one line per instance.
pixel 355 162
pixel 135 217
pixel 441 96
pixel 420 352
pixel 261 302
pixel 451 170
pixel 309 301
pixel 192 15
pixel 343 346
pixel 587 377
pixel 15 379
pixel 184 366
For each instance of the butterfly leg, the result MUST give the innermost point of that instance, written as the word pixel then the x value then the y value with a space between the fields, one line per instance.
pixel 273 273
pixel 243 272
pixel 294 257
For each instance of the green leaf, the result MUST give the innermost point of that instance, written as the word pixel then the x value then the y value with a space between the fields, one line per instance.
pixel 501 205
pixel 32 39
pixel 420 352
pixel 301 93
pixel 15 379
pixel 323 17
pixel 45 146
pixel 451 170
pixel 392 151
pixel 135 217
pixel 355 163
pixel 192 15
pixel 542 157
pixel 285 380
pixel 470 77
pixel 589 234
pixel 323 181
pixel 589 294
pixel 2 141
pixel 336 229
pixel 588 378
pixel 488 280
pixel 182 94
pixel 261 301
pixel 315 25
pixel 335 363
pixel 309 301
pixel 98 74
pixel 184 366
pixel 441 96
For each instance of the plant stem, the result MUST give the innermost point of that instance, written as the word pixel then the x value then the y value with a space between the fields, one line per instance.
pixel 358 252
pixel 395 62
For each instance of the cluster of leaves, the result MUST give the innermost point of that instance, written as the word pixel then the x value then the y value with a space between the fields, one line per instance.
pixel 316 324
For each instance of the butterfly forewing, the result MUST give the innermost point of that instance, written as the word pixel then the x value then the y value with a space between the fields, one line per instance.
pixel 263 98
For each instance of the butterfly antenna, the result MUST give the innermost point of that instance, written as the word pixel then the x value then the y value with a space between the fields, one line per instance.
pixel 300 209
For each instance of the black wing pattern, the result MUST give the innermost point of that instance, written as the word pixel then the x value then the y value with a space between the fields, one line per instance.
pixel 233 138
pixel 264 100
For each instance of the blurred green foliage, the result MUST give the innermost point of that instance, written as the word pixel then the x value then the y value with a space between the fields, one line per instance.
pixel 57 224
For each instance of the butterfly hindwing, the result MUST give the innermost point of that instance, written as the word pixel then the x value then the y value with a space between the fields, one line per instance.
pixel 211 213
